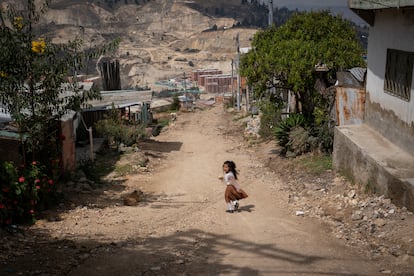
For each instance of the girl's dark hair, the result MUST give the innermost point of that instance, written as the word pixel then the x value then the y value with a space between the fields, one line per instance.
pixel 232 167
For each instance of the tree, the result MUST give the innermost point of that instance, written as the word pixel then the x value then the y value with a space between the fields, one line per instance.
pixel 285 56
pixel 36 91
pixel 34 76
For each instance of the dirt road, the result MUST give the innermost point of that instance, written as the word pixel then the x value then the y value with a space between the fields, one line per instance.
pixel 181 227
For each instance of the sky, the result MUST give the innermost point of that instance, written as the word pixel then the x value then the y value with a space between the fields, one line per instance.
pixel 336 6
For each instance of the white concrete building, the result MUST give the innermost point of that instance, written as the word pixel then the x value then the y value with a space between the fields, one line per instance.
pixel 379 153
pixel 390 81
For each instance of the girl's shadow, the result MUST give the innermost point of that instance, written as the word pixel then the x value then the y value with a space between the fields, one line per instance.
pixel 246 208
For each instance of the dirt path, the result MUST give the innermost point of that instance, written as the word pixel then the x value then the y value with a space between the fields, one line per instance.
pixel 183 228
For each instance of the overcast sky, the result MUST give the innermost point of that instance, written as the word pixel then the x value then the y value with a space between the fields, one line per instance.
pixel 336 6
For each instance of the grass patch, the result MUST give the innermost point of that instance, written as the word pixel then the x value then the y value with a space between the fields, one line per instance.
pixel 125 169
pixel 315 164
pixel 163 122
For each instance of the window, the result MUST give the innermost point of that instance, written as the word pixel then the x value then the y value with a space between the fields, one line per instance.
pixel 398 73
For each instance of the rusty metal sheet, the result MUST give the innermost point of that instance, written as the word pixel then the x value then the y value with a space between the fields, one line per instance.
pixel 350 105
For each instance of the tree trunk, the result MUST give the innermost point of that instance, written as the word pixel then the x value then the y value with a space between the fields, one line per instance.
pixel 306 105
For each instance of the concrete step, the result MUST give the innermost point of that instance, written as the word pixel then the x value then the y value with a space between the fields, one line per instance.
pixel 373 161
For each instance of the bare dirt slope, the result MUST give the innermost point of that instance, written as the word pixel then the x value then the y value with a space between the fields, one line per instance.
pixel 158 39
pixel 180 227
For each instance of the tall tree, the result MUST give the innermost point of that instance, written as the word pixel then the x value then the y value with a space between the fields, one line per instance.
pixel 286 56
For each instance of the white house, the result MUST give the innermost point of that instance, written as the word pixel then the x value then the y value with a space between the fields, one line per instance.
pixel 379 153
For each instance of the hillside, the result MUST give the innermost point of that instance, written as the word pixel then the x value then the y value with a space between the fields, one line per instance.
pixel 159 39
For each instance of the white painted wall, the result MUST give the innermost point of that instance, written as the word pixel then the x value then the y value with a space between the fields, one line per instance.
pixel 392 29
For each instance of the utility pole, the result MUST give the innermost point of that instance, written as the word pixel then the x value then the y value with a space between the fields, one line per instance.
pixel 247 99
pixel 238 72
pixel 270 23
pixel 232 83
pixel 185 91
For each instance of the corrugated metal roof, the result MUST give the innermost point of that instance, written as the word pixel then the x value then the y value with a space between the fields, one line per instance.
pixel 121 98
pixel 346 79
pixel 359 73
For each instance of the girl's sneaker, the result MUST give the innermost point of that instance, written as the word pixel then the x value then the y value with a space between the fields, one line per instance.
pixel 229 211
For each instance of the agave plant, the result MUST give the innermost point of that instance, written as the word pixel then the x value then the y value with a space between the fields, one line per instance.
pixel 283 129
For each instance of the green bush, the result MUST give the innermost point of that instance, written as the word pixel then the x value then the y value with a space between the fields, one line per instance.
pixel 270 117
pixel 26 190
pixel 295 135
pixel 120 133
pixel 283 129
pixel 325 137
pixel 299 140
pixel 324 128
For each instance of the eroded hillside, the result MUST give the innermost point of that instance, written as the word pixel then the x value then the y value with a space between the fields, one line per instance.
pixel 159 39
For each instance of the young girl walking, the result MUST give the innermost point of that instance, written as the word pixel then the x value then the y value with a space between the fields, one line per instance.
pixel 233 192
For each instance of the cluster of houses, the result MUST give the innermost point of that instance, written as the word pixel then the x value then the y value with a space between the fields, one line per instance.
pixel 213 80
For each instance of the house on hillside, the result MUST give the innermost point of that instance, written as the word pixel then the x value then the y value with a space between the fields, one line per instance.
pixel 379 153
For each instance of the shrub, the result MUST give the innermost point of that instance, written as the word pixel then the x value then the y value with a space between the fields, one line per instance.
pixel 270 117
pixel 324 124
pixel 295 135
pixel 283 129
pixel 130 135
pixel 25 190
pixel 299 140
pixel 325 137
pixel 120 133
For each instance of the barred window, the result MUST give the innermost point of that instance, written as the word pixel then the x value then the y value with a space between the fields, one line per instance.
pixel 398 73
